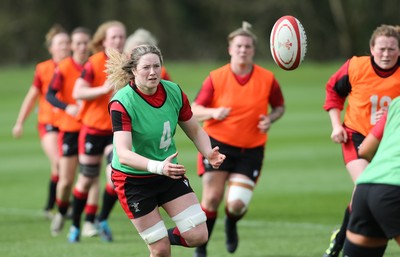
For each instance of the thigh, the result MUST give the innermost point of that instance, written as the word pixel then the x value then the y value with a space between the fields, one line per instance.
pixel 362 220
pixel 385 206
pixel 179 204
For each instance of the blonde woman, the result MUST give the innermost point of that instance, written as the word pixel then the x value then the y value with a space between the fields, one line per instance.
pixel 145 112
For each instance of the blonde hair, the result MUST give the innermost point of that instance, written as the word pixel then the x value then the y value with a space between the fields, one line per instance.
pixel 387 31
pixel 53 31
pixel 245 30
pixel 119 66
pixel 96 44
pixel 139 37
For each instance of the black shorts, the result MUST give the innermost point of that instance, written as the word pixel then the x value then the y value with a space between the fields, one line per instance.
pixel 376 211
pixel 141 195
pixel 246 161
pixel 68 143
pixel 93 144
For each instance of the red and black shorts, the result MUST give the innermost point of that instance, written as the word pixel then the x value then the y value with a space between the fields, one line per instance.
pixel 68 143
pixel 45 128
pixel 350 148
pixel 140 195
pixel 93 141
pixel 246 161
pixel 376 211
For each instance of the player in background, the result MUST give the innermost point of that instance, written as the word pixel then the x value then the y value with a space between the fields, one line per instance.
pixel 368 83
pixel 60 96
pixel 95 138
pixel 375 212
pixel 234 104
pixel 58 45
pixel 146 174
pixel 143 37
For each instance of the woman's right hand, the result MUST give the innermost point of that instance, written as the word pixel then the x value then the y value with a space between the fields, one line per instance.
pixel 339 135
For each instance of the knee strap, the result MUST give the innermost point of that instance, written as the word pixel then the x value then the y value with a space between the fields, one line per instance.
pixel 154 233
pixel 240 189
pixel 90 170
pixel 189 218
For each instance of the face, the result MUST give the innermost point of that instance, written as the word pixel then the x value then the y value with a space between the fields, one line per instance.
pixel 385 52
pixel 115 38
pixel 60 47
pixel 148 73
pixel 80 46
pixel 241 50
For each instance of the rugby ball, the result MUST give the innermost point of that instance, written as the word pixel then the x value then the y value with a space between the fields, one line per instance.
pixel 288 42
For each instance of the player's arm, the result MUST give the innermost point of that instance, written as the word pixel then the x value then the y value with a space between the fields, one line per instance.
pixel 202 141
pixel 203 99
pixel 26 108
pixel 370 144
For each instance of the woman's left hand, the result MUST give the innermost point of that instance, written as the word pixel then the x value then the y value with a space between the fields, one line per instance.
pixel 216 158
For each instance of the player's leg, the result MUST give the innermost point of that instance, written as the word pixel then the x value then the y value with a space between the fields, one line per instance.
pixel 355 167
pixel 67 169
pixel 88 177
pixel 109 199
pixel 213 188
pixel 89 228
pixel 241 182
pixel 190 220
pixel 50 148
pixel 238 197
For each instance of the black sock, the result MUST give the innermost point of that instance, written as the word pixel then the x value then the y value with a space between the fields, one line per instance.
pixel 175 237
pixel 352 250
pixel 109 200
pixel 78 206
pixel 52 194
pixel 341 235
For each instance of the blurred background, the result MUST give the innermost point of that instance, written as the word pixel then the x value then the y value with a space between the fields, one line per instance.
pixel 197 29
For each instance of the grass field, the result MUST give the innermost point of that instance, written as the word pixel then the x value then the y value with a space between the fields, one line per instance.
pixel 299 200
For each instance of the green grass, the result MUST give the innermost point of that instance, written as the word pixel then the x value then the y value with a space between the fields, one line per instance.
pixel 299 200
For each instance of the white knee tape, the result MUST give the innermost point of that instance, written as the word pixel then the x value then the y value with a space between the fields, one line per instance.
pixel 154 233
pixel 189 218
pixel 240 189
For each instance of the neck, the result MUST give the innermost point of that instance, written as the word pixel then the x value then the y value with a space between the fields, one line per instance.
pixel 242 69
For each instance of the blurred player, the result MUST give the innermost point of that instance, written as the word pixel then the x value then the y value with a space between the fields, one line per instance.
pixel 233 103
pixel 60 96
pixel 95 138
pixel 369 83
pixel 58 45
pixel 143 37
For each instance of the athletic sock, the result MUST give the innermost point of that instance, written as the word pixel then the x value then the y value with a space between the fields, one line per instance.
pixel 175 237
pixel 51 200
pixel 109 199
pixel 341 235
pixel 90 211
pixel 62 206
pixel 78 205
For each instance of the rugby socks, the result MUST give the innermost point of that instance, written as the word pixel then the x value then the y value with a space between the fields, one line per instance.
pixel 51 200
pixel 353 250
pixel 341 235
pixel 62 206
pixel 175 237
pixel 211 218
pixel 78 205
pixel 109 199
pixel 90 211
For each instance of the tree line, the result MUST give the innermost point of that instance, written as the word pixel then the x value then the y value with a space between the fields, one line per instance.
pixel 197 29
